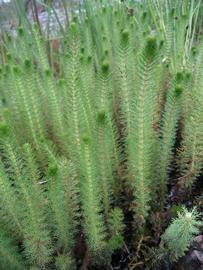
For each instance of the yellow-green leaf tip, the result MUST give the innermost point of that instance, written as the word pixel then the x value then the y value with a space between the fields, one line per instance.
pixel 178 89
pixel 9 38
pixel 4 130
pixel 89 58
pixel 47 72
pixel 82 50
pixel 20 31
pixel 125 35
pixel 161 43
pixel 16 69
pixel 144 15
pixel 27 63
pixel 104 9
pixel 86 139
pixel 75 19
pixel 62 82
pixel 74 27
pixel 179 76
pixel 151 45
pixel 188 75
pixel 101 115
pixel 52 169
pixel 194 50
pixel 105 67
pixel 9 56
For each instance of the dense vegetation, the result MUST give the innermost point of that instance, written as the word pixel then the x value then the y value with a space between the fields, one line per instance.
pixel 96 127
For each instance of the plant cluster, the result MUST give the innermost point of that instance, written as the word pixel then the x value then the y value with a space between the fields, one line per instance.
pixel 96 120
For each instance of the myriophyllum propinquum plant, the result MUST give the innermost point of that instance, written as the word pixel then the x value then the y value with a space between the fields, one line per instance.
pixel 94 126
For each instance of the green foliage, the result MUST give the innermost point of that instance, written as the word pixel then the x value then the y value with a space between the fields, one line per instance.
pixel 116 228
pixel 37 236
pixel 64 262
pixel 177 238
pixel 89 127
pixel 63 197
pixel 91 202
pixel 191 155
pixel 169 124
pixel 10 258
pixel 116 225
pixel 179 235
